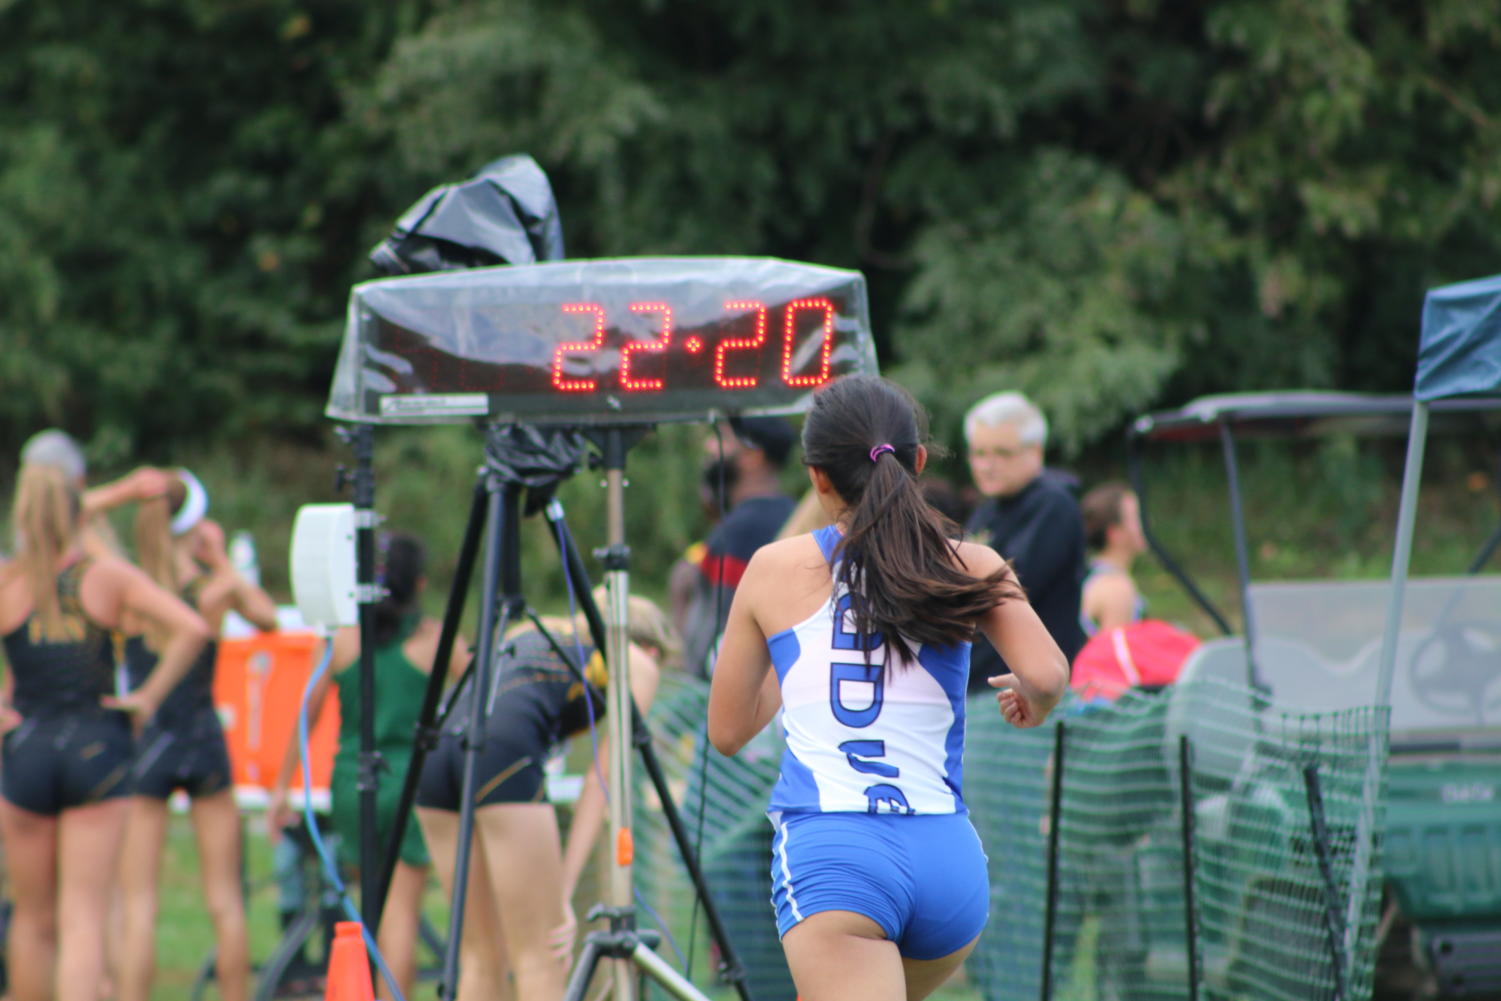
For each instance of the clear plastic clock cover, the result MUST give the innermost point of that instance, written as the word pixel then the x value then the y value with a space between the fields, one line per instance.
pixel 599 341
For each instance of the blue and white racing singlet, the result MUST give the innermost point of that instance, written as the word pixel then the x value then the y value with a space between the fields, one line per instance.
pixel 864 739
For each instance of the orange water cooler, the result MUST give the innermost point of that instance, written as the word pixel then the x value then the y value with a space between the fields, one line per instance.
pixel 258 686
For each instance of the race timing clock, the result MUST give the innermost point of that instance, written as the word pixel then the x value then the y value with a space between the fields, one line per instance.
pixel 599 341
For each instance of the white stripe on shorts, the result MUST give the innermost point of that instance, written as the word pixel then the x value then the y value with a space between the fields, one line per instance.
pixel 786 872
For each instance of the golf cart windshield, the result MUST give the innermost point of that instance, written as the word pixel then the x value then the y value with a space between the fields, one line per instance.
pixel 1317 644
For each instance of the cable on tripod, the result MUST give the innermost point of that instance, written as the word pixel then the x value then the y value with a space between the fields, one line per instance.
pixel 662 927
pixel 703 743
pixel 329 867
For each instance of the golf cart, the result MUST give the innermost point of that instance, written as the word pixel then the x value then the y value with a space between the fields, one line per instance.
pixel 1431 650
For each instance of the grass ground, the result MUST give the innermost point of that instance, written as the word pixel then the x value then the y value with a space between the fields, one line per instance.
pixel 184 936
pixel 185 939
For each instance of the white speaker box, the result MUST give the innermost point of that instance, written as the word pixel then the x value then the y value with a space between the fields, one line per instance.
pixel 323 565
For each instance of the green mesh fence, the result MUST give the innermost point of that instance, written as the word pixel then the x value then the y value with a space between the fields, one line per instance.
pixel 1287 907
pixel 722 802
pixel 1278 917
pixel 1275 902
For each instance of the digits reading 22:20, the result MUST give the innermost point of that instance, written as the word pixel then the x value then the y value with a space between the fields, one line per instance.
pixel 723 351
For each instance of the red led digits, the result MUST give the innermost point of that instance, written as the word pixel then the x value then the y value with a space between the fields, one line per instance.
pixel 660 344
pixel 740 344
pixel 822 376
pixel 560 355
pixel 799 367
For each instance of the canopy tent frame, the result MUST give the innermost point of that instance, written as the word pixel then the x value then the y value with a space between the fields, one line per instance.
pixel 1459 363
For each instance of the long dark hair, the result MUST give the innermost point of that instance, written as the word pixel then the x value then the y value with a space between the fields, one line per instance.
pixel 900 567
pixel 400 564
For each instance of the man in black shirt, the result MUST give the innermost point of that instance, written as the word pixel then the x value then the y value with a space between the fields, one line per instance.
pixel 1028 517
pixel 746 460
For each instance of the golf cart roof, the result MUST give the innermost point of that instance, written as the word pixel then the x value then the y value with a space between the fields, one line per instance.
pixel 1295 413
pixel 1459 353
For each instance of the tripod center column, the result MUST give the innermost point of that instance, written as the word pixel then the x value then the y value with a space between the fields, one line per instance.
pixel 617 587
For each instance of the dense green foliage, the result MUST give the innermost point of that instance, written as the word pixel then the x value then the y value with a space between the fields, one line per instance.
pixel 1108 204
pixel 185 201
pixel 1111 205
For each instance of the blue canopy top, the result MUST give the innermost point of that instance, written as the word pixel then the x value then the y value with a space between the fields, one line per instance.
pixel 1460 351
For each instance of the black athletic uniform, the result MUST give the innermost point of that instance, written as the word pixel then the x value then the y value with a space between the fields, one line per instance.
pixel 183 745
pixel 69 750
pixel 538 702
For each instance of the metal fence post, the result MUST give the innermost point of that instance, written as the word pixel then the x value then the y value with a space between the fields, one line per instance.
pixel 1190 908
pixel 1050 913
pixel 1332 930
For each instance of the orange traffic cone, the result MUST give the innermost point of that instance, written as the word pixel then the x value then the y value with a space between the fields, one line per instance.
pixel 348 966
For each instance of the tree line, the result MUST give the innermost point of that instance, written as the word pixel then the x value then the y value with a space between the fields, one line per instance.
pixel 1111 205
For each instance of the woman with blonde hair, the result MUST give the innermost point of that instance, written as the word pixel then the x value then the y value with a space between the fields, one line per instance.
pixel 183 747
pixel 519 922
pixel 67 757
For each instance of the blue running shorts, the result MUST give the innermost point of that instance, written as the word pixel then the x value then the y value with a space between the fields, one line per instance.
pixel 922 878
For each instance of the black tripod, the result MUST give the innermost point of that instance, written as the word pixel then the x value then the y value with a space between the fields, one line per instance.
pixel 527 461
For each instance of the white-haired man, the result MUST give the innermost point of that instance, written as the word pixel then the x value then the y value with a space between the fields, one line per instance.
pixel 1028 517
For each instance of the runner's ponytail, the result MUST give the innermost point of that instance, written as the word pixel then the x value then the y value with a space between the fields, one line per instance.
pixel 896 559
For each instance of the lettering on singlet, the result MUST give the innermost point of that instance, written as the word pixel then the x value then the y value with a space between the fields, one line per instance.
pixel 72 629
pixel 856 694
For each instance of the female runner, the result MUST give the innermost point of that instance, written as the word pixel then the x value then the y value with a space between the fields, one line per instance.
pixel 519 919
pixel 67 758
pixel 860 633
pixel 405 644
pixel 184 747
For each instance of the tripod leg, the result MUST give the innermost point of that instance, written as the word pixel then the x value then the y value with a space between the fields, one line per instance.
pixel 583 970
pixel 206 971
pixel 268 977
pixel 662 972
pixel 731 968
pixel 436 681
pixel 577 572
pixel 502 562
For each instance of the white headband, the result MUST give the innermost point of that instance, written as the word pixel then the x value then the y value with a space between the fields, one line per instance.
pixel 194 505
